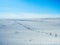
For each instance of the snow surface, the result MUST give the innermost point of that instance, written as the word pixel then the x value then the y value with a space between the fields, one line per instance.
pixel 44 31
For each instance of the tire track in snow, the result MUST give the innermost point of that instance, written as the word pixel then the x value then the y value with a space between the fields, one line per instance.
pixel 23 25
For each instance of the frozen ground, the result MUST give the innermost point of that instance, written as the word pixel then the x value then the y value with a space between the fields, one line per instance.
pixel 44 31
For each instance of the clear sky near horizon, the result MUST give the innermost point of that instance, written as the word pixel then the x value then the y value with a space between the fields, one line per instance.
pixel 29 8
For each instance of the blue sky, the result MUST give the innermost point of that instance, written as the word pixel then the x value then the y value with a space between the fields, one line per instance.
pixel 27 7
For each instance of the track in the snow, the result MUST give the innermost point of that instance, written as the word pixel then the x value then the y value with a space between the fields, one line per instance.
pixel 24 25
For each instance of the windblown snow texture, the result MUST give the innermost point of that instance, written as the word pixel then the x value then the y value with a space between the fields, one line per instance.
pixel 44 31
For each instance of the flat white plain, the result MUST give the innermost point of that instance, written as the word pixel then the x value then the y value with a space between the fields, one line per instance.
pixel 44 31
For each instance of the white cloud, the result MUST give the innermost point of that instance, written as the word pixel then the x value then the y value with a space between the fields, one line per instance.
pixel 27 15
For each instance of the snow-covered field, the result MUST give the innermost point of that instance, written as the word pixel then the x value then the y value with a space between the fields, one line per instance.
pixel 44 31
